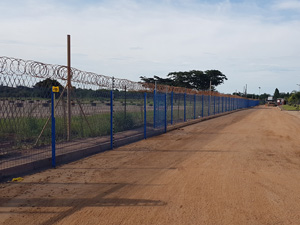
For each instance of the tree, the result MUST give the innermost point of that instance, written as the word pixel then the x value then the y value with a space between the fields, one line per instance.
pixel 276 94
pixel 294 98
pixel 47 83
pixel 264 96
pixel 194 79
pixel 165 81
pixel 42 89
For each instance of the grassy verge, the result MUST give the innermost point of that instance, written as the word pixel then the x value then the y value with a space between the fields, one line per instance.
pixel 291 107
pixel 23 132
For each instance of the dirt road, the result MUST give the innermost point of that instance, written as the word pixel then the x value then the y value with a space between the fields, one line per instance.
pixel 242 168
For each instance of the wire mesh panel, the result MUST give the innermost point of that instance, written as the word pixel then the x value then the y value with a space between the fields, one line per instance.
pixel 128 119
pixel 178 108
pixel 190 104
pixel 25 129
pixel 211 105
pixel 87 124
pixel 90 111
pixel 218 105
pixel 198 106
pixel 205 105
pixel 159 110
pixel 150 111
pixel 152 127
pixel 170 106
pixel 226 109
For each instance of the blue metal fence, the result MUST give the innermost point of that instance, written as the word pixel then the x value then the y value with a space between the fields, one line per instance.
pixel 102 119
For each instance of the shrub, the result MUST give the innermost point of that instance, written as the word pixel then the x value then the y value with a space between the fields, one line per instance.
pixel 123 122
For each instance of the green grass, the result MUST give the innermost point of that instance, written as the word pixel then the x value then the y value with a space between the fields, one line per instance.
pixel 291 107
pixel 23 131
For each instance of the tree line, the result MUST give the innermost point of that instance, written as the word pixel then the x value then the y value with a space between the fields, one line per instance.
pixel 194 79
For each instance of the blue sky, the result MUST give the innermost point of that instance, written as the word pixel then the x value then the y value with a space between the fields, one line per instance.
pixel 253 42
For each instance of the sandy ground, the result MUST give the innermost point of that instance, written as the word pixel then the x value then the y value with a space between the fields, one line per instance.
pixel 242 168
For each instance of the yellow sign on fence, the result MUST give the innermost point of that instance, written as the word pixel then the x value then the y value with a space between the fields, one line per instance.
pixel 55 89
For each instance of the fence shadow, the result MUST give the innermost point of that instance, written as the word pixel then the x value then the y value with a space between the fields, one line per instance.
pixel 75 204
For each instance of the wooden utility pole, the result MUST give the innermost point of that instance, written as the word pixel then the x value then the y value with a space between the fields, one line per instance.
pixel 69 86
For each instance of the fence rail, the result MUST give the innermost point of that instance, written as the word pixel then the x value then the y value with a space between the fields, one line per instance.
pixel 105 112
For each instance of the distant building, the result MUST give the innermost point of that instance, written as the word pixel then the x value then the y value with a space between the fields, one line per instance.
pixel 281 101
pixel 270 101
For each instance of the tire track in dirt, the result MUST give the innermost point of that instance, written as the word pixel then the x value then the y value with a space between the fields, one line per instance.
pixel 242 168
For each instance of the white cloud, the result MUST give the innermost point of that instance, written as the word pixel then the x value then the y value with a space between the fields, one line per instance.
pixel 287 5
pixel 127 39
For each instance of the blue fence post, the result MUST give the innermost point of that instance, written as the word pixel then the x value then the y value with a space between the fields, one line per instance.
pixel 235 103
pixel 214 105
pixel 209 105
pixel 166 113
pixel 219 104
pixel 194 106
pixel 154 111
pixel 202 113
pixel 226 104
pixel 184 107
pixel 172 107
pixel 111 120
pixel 222 104
pixel 53 129
pixel 145 115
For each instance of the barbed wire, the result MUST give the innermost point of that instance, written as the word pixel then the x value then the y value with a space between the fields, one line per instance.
pixel 19 67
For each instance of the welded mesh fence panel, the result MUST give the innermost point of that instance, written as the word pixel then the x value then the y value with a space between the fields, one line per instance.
pixel 190 100
pixel 227 104
pixel 25 133
pixel 89 118
pixel 178 108
pixel 205 105
pixel 128 110
pixel 150 111
pixel 218 105
pixel 160 100
pixel 153 127
pixel 170 97
pixel 87 113
pixel 222 104
pixel 234 103
pixel 211 105
pixel 198 106
pixel 128 116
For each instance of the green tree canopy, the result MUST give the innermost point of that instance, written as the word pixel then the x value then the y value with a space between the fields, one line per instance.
pixel 276 94
pixel 48 83
pixel 194 79
pixel 294 98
